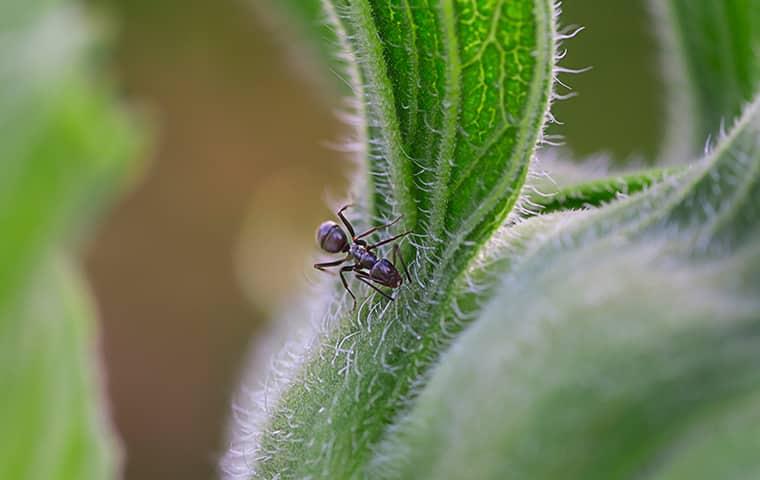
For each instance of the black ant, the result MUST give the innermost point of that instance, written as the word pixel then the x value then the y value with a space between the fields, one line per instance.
pixel 367 267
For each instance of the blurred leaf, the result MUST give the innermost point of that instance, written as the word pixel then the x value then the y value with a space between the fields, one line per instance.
pixel 713 63
pixel 624 355
pixel 611 344
pixel 63 148
pixel 53 423
pixel 454 97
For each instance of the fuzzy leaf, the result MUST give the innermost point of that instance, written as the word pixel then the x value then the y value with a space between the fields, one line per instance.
pixel 606 376
pixel 454 96
pixel 63 146
pixel 550 197
pixel 612 346
pixel 713 64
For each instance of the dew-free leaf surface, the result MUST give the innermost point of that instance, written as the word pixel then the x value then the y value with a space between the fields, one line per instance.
pixel 574 344
pixel 595 361
pixel 454 95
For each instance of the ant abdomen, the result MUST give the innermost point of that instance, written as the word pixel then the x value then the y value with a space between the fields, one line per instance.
pixel 385 273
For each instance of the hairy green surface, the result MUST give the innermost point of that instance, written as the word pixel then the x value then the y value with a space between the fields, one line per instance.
pixel 713 64
pixel 455 94
pixel 586 344
pixel 62 147
pixel 596 361
pixel 593 193
pixel 603 378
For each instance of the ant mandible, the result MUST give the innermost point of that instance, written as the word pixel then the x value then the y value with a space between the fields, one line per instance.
pixel 367 267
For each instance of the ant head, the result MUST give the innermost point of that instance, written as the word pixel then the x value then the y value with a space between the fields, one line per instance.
pixel 331 238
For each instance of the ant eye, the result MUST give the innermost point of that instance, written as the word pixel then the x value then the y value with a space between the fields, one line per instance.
pixel 331 238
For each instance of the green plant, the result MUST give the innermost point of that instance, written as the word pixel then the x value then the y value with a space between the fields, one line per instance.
pixel 563 343
pixel 64 148
pixel 538 339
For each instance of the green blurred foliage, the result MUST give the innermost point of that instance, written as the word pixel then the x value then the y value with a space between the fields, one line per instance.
pixel 65 150
pixel 55 426
pixel 713 67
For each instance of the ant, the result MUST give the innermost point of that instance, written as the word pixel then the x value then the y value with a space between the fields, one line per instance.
pixel 367 266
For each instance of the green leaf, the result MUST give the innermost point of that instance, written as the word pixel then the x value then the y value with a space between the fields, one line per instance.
pixel 613 345
pixel 454 95
pixel 604 377
pixel 64 150
pixel 550 197
pixel 713 66
pixel 53 421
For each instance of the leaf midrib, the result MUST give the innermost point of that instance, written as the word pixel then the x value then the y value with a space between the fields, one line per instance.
pixel 540 88
pixel 452 98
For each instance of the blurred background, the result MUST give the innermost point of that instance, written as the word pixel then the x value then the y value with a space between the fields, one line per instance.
pixel 217 236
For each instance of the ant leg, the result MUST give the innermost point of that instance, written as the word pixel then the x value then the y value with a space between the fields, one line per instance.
pixel 343 270
pixel 397 252
pixel 379 227
pixel 388 240
pixel 345 221
pixel 362 278
pixel 322 266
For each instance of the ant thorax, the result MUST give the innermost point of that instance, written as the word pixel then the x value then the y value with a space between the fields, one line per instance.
pixel 364 257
